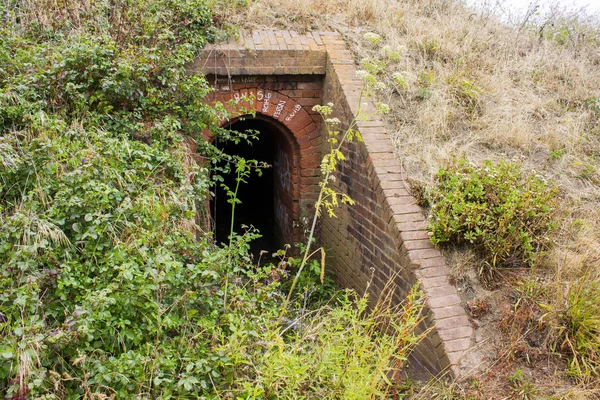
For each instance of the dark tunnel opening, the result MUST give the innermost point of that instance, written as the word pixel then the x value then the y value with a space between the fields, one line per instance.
pixel 260 194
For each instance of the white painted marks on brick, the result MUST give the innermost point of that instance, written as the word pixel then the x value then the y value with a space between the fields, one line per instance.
pixel 263 99
pixel 266 103
pixel 239 96
pixel 297 108
pixel 279 108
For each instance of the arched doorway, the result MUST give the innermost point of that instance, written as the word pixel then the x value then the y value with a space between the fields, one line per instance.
pixel 269 202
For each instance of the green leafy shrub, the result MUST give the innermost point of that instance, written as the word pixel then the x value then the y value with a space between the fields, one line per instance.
pixel 494 207
pixel 342 351
pixel 103 288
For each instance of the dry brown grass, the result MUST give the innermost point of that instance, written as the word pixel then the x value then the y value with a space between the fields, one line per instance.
pixel 528 104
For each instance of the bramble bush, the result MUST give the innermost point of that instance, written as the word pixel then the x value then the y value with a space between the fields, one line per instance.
pixel 495 208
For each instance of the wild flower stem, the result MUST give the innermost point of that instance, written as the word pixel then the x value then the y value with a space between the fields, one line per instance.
pixel 233 202
pixel 319 203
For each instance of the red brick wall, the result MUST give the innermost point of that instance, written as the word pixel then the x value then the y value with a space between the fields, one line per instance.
pixel 364 244
pixel 383 236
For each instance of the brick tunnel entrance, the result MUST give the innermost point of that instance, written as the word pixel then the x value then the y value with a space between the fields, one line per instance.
pixel 267 201
pixel 279 76
pixel 280 202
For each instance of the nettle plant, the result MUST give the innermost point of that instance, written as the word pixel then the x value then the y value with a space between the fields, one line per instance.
pixel 496 208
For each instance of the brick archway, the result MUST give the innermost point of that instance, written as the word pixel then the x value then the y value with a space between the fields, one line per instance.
pixel 298 154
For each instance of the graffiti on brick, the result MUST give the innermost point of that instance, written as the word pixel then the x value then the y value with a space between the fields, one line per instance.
pixel 265 108
pixel 263 99
pixel 279 108
pixel 282 169
pixel 282 217
pixel 219 79
pixel 220 89
pixel 238 96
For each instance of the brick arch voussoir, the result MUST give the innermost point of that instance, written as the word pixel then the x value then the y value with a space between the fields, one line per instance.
pixel 276 107
pixel 268 103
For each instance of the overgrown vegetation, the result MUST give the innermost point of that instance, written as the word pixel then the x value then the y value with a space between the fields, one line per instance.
pixel 571 312
pixel 108 289
pixel 341 351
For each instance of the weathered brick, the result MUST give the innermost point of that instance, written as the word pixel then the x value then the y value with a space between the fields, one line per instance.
pixel 434 282
pixel 410 217
pixel 456 333
pixel 411 226
pixel 423 254
pixel 417 244
pixel 455 357
pixel 433 272
pixel 399 192
pixel 457 345
pixel 401 200
pixel 444 301
pixel 452 323
pixel 430 262
pixel 418 235
pixel 406 209
pixel 443 289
